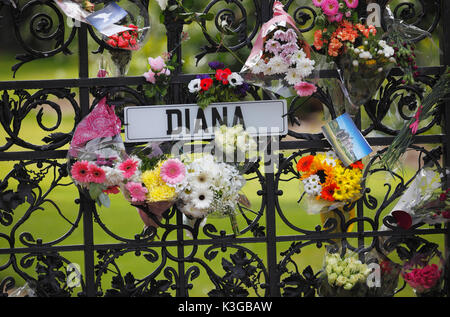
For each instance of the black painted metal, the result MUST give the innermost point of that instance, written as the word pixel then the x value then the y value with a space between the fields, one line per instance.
pixel 263 274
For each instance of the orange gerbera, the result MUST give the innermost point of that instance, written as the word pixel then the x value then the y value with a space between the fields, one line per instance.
pixel 304 164
pixel 328 191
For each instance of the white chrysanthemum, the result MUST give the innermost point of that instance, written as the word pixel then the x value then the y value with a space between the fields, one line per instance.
pixel 114 176
pixel 330 161
pixel 194 85
pixel 313 179
pixel 278 65
pixel 235 79
pixel 259 67
pixel 312 189
pixel 365 55
pixel 298 56
pixel 305 67
pixel 293 76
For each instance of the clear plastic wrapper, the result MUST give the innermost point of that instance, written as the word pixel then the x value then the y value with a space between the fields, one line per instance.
pixel 280 60
pixel 423 201
pixel 96 153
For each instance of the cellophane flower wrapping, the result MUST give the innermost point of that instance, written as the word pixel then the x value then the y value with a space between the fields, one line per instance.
pixel 150 185
pixel 280 60
pixel 423 201
pixel 385 281
pixel 344 275
pixel 95 152
pixel 424 272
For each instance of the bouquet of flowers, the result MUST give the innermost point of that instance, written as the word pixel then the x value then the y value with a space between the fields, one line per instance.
pixel 344 276
pixel 159 73
pixel 423 201
pixel 224 86
pixel 151 183
pixel 424 272
pixel 96 153
pixel 210 188
pixel 363 59
pixel 280 58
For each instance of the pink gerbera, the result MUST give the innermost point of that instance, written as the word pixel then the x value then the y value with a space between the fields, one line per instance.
pixel 330 7
pixel 172 171
pixel 352 4
pixel 80 171
pixel 96 174
pixel 137 191
pixel 304 89
pixel 128 167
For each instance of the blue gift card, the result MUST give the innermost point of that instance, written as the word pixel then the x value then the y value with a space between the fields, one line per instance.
pixel 346 139
pixel 104 18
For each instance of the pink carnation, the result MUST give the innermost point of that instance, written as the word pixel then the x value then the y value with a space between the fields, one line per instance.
pixel 128 167
pixel 172 171
pixel 137 191
pixel 304 89
pixel 80 171
pixel 330 7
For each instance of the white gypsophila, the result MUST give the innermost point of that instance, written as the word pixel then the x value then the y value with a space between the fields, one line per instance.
pixel 277 65
pixel 305 67
pixel 163 4
pixel 194 85
pixel 113 176
pixel 235 79
pixel 293 76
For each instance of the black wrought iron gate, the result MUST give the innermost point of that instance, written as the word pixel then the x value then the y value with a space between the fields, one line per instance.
pixel 259 262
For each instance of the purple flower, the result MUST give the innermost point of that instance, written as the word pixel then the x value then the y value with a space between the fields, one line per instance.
pixel 202 76
pixel 216 65
pixel 242 89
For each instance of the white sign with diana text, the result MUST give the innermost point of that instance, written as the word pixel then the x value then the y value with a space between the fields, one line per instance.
pixel 190 122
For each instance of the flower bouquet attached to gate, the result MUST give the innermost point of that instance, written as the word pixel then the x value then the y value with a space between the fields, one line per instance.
pixel 210 189
pixel 328 185
pixel 96 152
pixel 152 182
pixel 362 57
pixel 280 58
pixel 424 271
pixel 223 86
pixel 344 275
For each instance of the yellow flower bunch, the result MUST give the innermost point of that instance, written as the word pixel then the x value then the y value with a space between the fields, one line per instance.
pixel 348 181
pixel 158 190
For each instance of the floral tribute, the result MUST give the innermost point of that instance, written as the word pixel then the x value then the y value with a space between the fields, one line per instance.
pixel 424 272
pixel 160 69
pixel 344 275
pixel 281 52
pixel 96 153
pixel 358 50
pixel 128 40
pixel 327 183
pixel 223 86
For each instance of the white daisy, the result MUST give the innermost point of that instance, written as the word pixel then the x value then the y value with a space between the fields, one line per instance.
pixel 293 76
pixel 202 197
pixel 313 179
pixel 278 65
pixel 305 67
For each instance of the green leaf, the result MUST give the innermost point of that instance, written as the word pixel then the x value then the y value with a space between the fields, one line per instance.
pixel 173 7
pixel 104 200
pixel 95 190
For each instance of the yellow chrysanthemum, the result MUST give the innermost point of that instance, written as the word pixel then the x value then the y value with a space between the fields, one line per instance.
pixel 152 179
pixel 161 193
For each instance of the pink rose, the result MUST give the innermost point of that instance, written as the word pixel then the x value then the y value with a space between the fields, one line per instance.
pixel 157 64
pixel 150 77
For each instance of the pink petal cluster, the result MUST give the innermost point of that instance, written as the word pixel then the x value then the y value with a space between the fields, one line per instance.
pixel 330 7
pixel 352 4
pixel 305 89
pixel 137 192
pixel 157 68
pixel 423 278
pixel 173 171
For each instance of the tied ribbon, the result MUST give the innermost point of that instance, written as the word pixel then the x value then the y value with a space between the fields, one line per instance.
pixel 279 15
pixel 415 125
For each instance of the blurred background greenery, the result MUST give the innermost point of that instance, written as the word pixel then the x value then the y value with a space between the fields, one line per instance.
pixel 122 219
